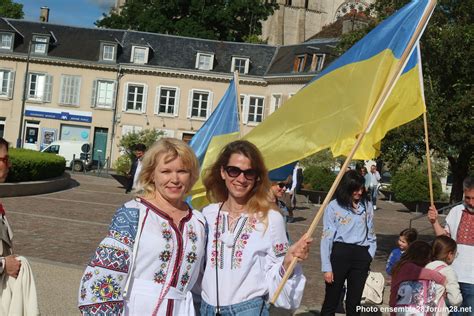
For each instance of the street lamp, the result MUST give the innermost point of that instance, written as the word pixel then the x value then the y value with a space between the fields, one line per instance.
pixel 19 141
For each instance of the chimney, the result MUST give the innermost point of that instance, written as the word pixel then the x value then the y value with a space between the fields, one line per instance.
pixel 44 14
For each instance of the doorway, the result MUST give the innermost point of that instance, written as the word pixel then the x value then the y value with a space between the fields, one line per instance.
pixel 31 136
pixel 99 148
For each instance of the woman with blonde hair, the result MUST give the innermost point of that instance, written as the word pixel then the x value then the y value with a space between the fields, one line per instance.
pixel 247 249
pixel 152 256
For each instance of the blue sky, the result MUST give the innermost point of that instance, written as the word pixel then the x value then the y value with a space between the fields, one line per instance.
pixel 68 12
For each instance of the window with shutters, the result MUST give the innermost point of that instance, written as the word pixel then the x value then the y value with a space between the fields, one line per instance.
pixel 39 87
pixel 255 109
pixel 299 63
pixel 103 94
pixel 70 90
pixel 135 100
pixel 200 104
pixel 167 101
pixel 127 129
pixel 6 41
pixel 317 63
pixel 6 83
pixel 276 102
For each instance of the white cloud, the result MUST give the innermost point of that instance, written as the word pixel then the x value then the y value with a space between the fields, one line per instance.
pixel 104 5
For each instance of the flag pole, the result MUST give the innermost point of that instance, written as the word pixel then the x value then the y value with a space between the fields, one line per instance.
pixel 239 105
pixel 372 118
pixel 428 159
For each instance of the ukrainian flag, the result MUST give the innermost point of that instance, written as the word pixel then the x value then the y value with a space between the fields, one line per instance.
pixel 224 120
pixel 335 107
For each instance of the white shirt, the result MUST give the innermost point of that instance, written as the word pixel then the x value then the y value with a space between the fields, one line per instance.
pixel 464 263
pixel 145 263
pixel 249 260
pixel 451 288
pixel 137 174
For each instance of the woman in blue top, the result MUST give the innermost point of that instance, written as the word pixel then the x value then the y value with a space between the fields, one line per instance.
pixel 348 244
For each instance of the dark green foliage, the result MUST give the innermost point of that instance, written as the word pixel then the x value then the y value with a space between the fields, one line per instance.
pixel 30 165
pixel 10 9
pixel 319 178
pixel 412 186
pixel 236 20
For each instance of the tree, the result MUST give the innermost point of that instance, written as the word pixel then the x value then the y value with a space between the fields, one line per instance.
pixel 128 142
pixel 10 9
pixel 235 20
pixel 447 60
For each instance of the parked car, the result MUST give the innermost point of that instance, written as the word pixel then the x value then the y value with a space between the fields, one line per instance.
pixel 76 153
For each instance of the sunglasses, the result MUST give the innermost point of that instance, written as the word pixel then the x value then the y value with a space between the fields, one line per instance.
pixel 4 159
pixel 234 172
pixel 281 185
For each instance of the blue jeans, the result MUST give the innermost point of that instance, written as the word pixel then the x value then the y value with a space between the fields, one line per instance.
pixel 467 291
pixel 252 307
pixel 373 192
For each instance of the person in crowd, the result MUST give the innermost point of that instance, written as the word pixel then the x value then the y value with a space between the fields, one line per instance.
pixel 348 244
pixel 460 227
pixel 409 270
pixel 278 189
pixel 296 184
pixel 443 252
pixel 13 268
pixel 247 250
pixel 153 254
pixel 133 175
pixel 407 236
pixel 373 183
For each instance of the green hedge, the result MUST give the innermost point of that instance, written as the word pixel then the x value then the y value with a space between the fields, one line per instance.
pixel 412 186
pixel 318 178
pixel 30 165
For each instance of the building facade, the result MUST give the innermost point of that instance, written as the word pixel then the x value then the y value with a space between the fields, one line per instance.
pixel 296 21
pixel 61 82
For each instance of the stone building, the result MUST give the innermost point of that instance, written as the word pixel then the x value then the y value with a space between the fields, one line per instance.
pixel 299 20
pixel 60 82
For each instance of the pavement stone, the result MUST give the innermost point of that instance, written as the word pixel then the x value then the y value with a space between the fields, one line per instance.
pixel 58 232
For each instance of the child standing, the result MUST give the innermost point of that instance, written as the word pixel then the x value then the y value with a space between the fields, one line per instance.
pixel 408 277
pixel 407 236
pixel 443 253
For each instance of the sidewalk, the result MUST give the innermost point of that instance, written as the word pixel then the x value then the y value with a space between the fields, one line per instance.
pixel 58 233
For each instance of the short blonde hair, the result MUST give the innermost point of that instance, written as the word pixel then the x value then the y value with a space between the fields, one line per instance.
pixel 169 149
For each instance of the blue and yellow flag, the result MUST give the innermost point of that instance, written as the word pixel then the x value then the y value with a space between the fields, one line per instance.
pixel 224 120
pixel 334 108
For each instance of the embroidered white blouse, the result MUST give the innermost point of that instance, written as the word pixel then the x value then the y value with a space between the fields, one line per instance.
pixel 249 259
pixel 146 264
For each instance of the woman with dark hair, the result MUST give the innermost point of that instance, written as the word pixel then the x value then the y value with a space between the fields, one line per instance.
pixel 348 244
pixel 247 249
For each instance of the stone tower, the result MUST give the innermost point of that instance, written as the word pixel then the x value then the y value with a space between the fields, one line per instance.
pixel 298 20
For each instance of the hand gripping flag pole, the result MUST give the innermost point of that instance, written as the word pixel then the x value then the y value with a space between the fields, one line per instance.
pixel 372 118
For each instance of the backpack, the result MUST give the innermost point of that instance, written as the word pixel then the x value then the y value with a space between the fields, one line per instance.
pixel 418 296
pixel 373 289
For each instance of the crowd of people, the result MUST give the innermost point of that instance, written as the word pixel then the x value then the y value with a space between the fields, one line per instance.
pixel 161 257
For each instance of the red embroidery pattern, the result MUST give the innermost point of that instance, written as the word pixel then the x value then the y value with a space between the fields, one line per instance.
pixel 465 234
